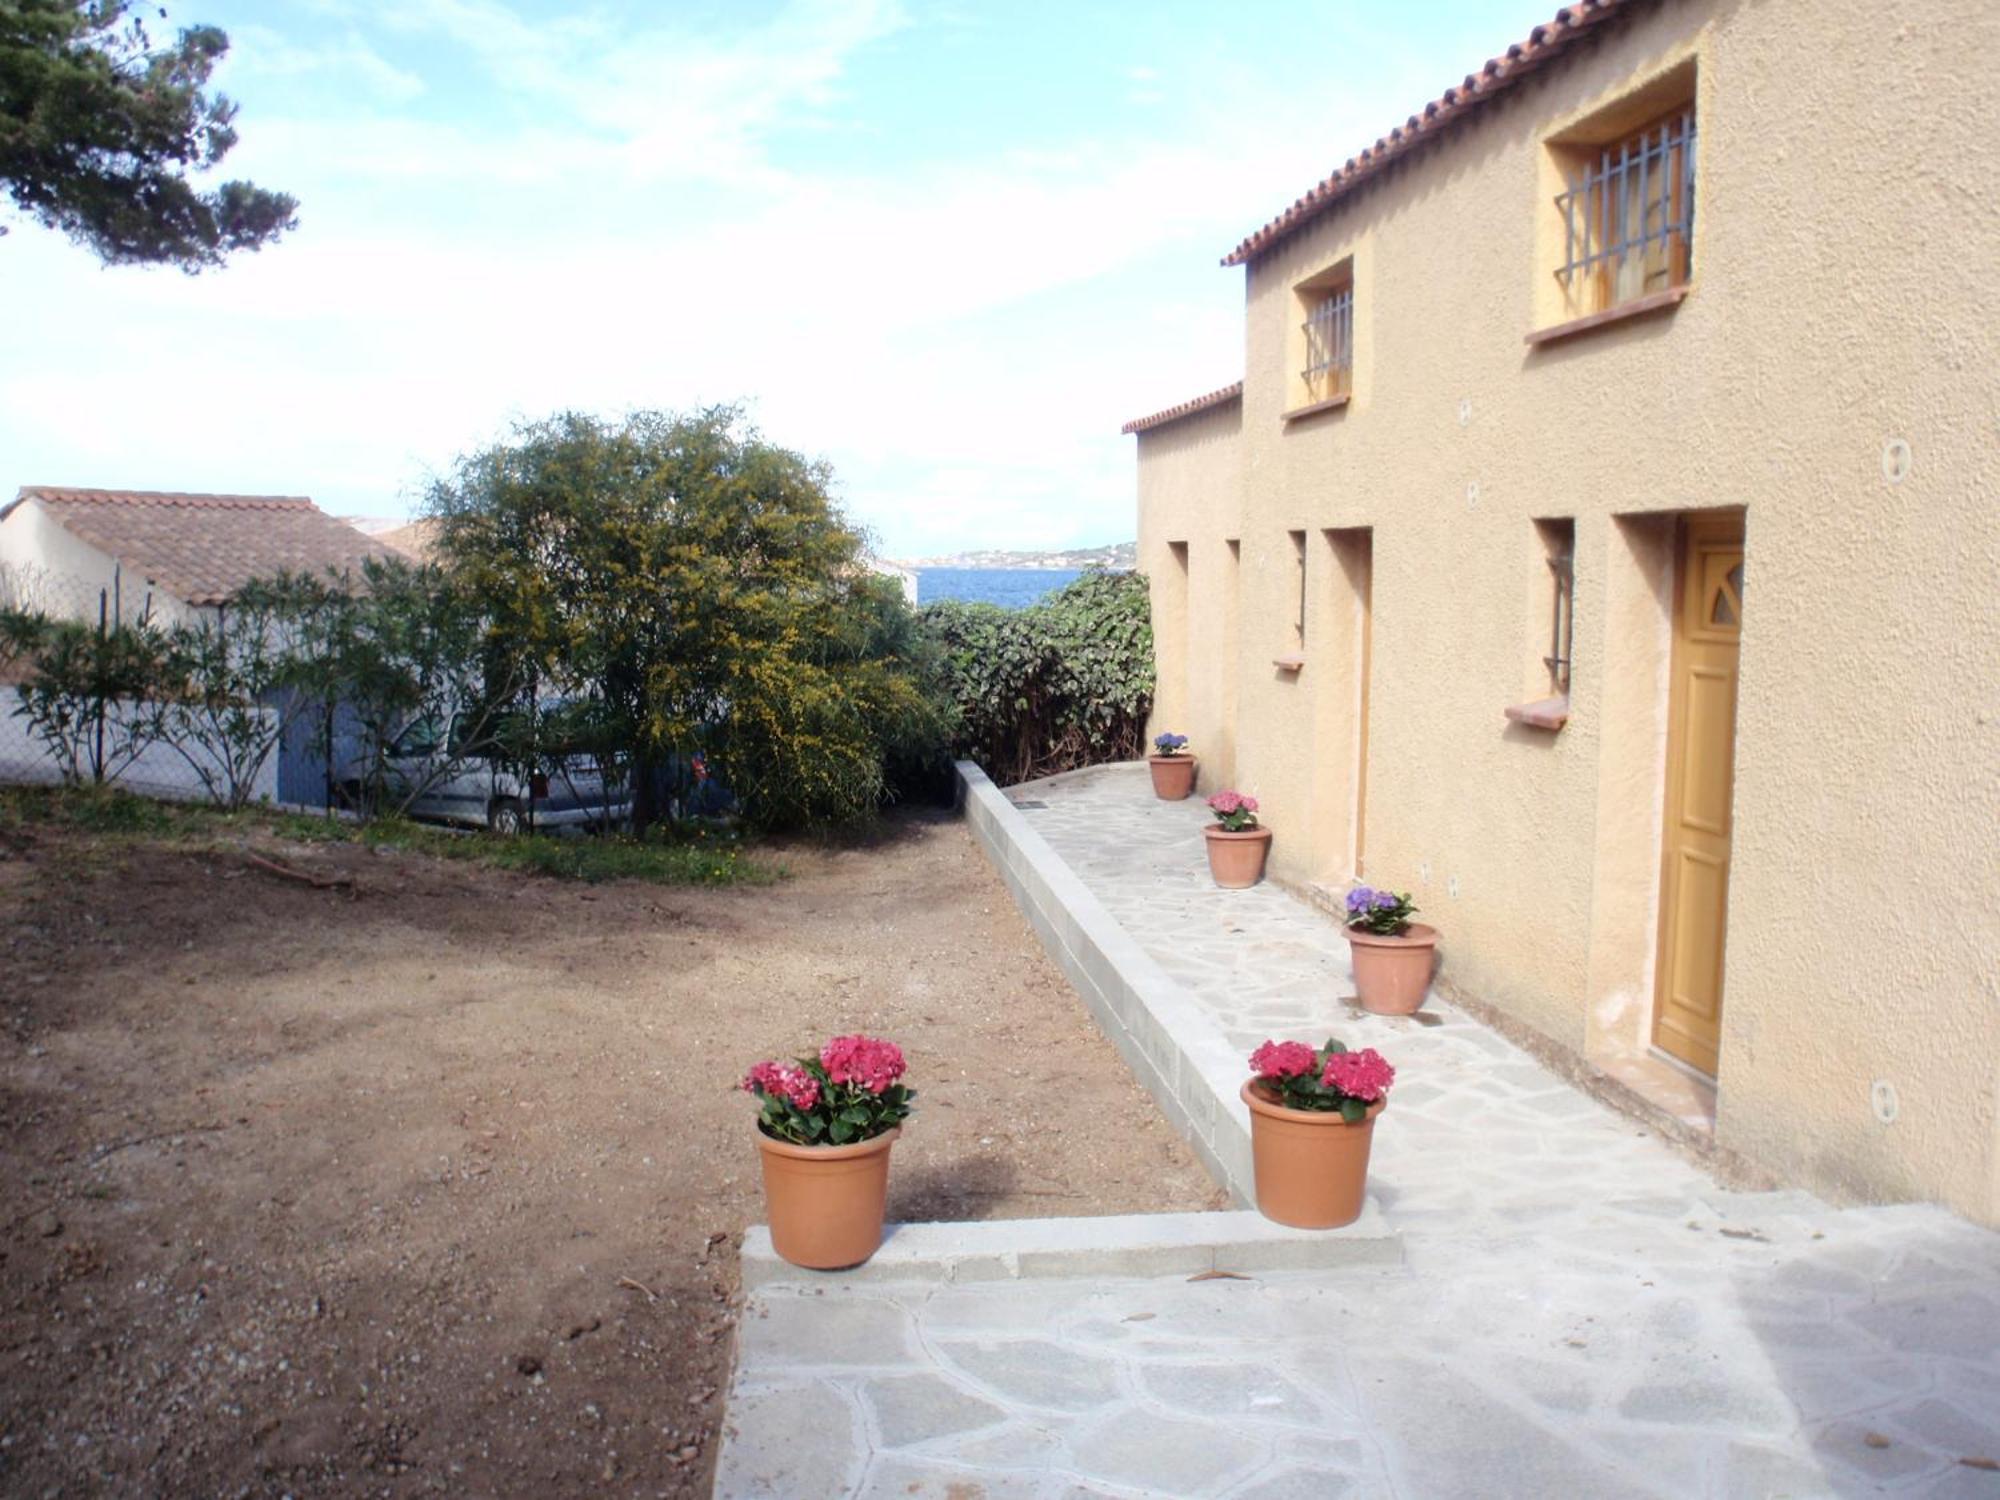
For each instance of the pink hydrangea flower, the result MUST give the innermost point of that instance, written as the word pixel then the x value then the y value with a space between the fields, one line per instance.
pixel 1231 802
pixel 868 1061
pixel 1364 1075
pixel 795 1084
pixel 801 1088
pixel 1282 1060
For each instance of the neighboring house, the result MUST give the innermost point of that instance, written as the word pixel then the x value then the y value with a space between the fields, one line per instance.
pixel 128 555
pixel 1454 581
pixel 175 555
pixel 416 540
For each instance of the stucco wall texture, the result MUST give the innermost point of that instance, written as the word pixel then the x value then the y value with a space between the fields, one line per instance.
pixel 1193 490
pixel 1843 296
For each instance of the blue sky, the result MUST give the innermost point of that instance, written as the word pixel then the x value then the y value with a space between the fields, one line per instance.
pixel 950 247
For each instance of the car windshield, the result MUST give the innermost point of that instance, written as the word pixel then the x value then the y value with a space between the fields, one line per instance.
pixel 420 738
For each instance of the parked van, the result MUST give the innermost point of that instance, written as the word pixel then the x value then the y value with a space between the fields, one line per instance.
pixel 457 777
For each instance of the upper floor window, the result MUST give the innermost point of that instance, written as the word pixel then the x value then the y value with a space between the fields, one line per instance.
pixel 1329 331
pixel 1322 341
pixel 1628 216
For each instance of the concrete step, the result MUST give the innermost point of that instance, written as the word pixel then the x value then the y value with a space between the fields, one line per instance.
pixel 1115 1245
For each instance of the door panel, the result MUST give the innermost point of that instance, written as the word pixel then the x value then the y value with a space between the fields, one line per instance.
pixel 1706 778
pixel 1693 1016
pixel 1701 759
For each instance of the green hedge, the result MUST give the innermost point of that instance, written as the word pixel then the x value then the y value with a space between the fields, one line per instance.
pixel 1058 685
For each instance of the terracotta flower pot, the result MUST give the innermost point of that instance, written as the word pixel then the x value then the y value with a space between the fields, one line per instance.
pixel 826 1202
pixel 1173 776
pixel 1236 860
pixel 1393 974
pixel 1311 1165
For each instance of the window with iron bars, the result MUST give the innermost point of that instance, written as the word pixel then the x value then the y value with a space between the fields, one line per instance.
pixel 1628 216
pixel 1329 331
pixel 1559 543
pixel 1298 539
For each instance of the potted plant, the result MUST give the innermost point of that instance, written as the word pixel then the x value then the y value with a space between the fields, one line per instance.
pixel 1392 955
pixel 824 1134
pixel 1172 767
pixel 1236 844
pixel 1312 1121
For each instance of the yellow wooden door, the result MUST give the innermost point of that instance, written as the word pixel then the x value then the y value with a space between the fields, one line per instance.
pixel 1701 758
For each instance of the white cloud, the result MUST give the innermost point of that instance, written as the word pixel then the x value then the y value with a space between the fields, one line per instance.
pixel 258 51
pixel 664 100
pixel 962 339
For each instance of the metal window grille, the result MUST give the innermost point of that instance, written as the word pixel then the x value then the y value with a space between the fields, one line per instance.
pixel 1299 551
pixel 1562 620
pixel 1329 329
pixel 1628 217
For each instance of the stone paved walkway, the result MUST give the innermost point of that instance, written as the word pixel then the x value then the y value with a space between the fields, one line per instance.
pixel 1579 1311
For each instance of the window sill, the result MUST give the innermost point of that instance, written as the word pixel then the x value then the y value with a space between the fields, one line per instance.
pixel 1291 661
pixel 1638 307
pixel 1544 713
pixel 1300 413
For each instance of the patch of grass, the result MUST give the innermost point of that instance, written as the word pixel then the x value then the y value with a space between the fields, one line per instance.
pixel 89 809
pixel 695 857
pixel 665 862
pixel 692 856
pixel 309 828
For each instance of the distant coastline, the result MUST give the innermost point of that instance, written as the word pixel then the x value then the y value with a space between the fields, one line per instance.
pixel 1119 555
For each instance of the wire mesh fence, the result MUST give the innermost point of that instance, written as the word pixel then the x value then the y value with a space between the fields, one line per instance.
pixel 102 737
pixel 102 684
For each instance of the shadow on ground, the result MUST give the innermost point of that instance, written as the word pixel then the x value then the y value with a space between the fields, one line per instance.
pixel 964 1188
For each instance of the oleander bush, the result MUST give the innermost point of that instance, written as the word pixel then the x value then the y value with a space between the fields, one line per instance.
pixel 1059 685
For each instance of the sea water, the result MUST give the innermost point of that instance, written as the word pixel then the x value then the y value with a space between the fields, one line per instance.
pixel 1011 588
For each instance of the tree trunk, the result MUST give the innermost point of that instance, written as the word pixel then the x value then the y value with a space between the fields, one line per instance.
pixel 646 798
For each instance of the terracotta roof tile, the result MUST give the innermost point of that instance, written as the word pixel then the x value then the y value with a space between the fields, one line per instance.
pixel 203 548
pixel 1542 45
pixel 1222 397
pixel 417 541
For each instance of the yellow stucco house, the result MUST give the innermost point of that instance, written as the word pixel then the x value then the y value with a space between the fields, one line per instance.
pixel 1603 544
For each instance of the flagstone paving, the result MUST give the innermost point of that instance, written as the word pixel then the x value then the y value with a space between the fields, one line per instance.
pixel 1578 1311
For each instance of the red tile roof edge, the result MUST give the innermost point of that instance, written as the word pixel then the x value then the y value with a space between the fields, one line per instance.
pixel 67 495
pixel 1222 397
pixel 1542 45
pixel 202 548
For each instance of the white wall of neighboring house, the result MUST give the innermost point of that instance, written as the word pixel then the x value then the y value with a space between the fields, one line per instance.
pixel 159 770
pixel 45 566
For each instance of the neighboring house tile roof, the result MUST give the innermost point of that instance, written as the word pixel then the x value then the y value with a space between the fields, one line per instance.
pixel 1544 44
pixel 417 540
pixel 1222 397
pixel 203 548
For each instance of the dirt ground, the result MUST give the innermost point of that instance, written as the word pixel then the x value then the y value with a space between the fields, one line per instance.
pixel 436 1185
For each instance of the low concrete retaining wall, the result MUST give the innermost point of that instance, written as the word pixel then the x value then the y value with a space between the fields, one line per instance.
pixel 1170 1043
